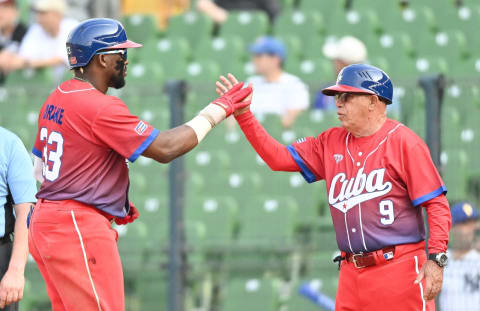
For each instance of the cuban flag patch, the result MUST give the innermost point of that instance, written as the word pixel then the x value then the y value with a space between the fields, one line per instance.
pixel 141 128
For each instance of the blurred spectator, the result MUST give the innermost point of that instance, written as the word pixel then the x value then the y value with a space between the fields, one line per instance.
pixel 276 91
pixel 85 9
pixel 12 31
pixel 218 9
pixel 346 51
pixel 461 284
pixel 44 42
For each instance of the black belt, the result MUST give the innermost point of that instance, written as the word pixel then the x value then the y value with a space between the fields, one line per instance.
pixel 6 239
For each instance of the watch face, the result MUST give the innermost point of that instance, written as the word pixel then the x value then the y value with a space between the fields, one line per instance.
pixel 442 259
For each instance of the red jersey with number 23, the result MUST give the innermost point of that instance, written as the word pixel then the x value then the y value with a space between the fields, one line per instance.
pixel 84 138
pixel 375 184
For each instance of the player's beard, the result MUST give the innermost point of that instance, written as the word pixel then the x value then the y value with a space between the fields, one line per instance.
pixel 118 80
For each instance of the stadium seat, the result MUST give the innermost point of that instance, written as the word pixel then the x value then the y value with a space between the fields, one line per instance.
pixel 311 71
pixel 225 51
pixel 202 72
pixel 192 25
pixel 267 221
pixel 217 217
pixel 171 53
pixel 303 25
pixel 249 25
pixel 140 28
pixel 249 294
pixel 351 22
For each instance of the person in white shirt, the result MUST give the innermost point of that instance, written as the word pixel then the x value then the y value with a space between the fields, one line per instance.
pixel 276 91
pixel 44 42
pixel 461 285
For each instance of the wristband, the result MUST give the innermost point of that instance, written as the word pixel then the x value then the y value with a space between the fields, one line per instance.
pixel 201 126
pixel 207 119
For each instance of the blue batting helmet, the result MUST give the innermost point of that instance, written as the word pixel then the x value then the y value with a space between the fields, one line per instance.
pixel 94 35
pixel 362 78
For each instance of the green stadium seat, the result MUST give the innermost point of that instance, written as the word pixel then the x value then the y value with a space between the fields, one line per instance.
pixel 326 7
pixel 293 45
pixel 456 164
pixel 204 72
pixel 215 219
pixel 249 294
pixel 304 25
pixel 140 28
pixel 225 51
pixel 171 53
pixel 312 71
pixel 192 25
pixel 353 23
pixel 268 221
pixel 249 25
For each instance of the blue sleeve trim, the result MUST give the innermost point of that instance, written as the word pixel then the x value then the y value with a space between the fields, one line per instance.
pixel 429 196
pixel 147 142
pixel 306 173
pixel 37 152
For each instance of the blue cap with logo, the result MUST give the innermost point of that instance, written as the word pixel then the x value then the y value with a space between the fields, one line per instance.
pixel 464 211
pixel 269 45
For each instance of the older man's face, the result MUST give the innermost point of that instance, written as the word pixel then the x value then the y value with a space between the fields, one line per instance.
pixel 352 110
pixel 50 21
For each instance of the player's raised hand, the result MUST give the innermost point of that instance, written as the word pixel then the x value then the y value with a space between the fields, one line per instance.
pixel 433 275
pixel 226 84
pixel 232 95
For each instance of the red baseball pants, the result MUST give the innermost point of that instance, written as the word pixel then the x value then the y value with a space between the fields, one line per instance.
pixel 75 248
pixel 385 286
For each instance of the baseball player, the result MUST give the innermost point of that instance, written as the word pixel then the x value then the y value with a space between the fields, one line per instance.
pixel 378 175
pixel 462 275
pixel 84 138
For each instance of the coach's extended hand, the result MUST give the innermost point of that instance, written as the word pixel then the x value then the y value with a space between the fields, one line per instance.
pixel 433 275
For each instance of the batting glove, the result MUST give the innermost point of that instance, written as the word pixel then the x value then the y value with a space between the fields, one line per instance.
pixel 232 100
pixel 131 216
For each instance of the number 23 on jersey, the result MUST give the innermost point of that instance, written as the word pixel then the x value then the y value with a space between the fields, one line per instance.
pixel 52 153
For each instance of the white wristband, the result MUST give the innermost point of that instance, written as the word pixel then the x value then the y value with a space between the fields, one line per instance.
pixel 207 119
pixel 201 126
pixel 214 112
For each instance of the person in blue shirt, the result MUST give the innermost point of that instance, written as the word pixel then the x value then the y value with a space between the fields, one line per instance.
pixel 17 196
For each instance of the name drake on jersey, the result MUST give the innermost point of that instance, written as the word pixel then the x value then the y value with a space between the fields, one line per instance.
pixel 53 113
pixel 356 190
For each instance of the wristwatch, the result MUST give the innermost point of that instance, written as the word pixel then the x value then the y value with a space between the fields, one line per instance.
pixel 441 259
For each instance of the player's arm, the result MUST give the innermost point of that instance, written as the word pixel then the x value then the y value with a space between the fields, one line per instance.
pixel 175 142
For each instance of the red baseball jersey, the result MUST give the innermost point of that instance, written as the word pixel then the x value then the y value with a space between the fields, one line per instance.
pixel 375 184
pixel 84 138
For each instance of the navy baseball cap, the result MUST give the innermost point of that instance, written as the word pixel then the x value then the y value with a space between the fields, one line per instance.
pixel 464 211
pixel 269 45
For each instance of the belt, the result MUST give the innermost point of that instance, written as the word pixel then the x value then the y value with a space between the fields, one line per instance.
pixel 5 239
pixel 363 260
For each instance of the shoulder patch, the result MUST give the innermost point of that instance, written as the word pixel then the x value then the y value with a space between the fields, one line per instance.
pixel 141 128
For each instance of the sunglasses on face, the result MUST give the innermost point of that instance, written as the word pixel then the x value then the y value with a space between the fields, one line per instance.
pixel 345 97
pixel 123 53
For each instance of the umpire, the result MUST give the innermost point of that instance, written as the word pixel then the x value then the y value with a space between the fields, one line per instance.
pixel 17 193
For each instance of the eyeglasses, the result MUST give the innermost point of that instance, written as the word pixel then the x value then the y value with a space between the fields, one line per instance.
pixel 345 97
pixel 123 53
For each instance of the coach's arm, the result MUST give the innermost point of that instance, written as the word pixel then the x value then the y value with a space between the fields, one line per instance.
pixel 175 142
pixel 275 155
